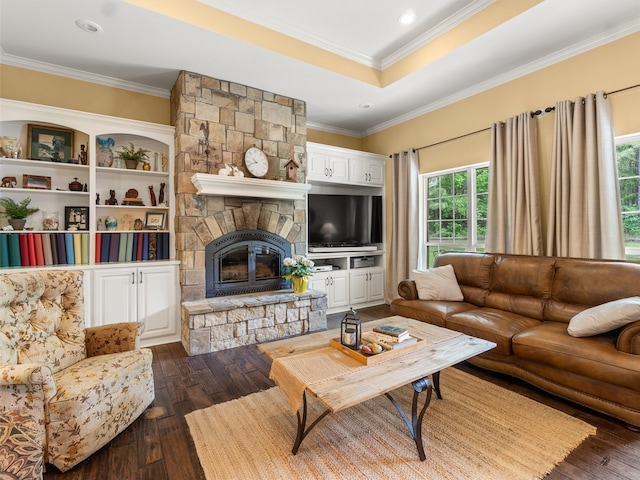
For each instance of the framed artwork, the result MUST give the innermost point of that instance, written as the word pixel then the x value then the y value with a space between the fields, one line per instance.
pixel 36 181
pixel 50 144
pixel 154 220
pixel 76 218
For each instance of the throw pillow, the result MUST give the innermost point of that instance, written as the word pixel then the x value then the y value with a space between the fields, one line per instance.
pixel 438 283
pixel 605 317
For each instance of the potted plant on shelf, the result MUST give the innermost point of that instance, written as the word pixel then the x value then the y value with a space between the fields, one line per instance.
pixel 131 156
pixel 17 213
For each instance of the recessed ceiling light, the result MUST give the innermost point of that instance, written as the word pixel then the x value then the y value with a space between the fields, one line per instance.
pixel 365 105
pixel 89 26
pixel 407 18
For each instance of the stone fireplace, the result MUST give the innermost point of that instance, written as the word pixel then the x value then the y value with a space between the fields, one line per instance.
pixel 216 122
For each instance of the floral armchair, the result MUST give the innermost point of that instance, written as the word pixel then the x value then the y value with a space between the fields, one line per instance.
pixel 81 387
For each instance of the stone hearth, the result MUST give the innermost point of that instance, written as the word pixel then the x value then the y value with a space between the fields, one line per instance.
pixel 226 322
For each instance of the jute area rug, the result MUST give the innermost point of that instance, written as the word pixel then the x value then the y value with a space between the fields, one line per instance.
pixel 478 431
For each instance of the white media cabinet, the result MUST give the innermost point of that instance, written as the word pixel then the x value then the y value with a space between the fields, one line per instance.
pixel 357 275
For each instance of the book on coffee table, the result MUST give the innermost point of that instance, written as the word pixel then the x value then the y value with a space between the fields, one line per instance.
pixel 387 342
pixel 392 331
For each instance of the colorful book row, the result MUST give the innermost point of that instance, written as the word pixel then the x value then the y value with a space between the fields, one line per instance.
pixel 131 246
pixel 41 249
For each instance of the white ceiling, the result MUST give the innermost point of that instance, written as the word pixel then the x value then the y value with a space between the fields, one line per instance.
pixel 144 51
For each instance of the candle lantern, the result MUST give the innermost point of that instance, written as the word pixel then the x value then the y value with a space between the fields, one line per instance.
pixel 351 330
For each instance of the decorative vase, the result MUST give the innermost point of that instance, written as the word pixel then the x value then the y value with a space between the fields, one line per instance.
pixel 111 223
pixel 300 284
pixel 9 146
pixel 17 223
pixel 104 155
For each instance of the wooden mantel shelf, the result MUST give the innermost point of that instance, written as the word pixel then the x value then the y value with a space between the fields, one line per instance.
pixel 208 184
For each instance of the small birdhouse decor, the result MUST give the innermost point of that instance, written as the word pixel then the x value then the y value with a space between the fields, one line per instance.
pixel 351 330
pixel 292 170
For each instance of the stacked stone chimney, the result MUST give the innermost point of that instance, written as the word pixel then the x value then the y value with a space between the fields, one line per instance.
pixel 216 122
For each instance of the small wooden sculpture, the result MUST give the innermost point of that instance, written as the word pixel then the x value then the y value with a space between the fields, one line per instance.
pixel 112 198
pixel 161 195
pixel 9 182
pixel 153 196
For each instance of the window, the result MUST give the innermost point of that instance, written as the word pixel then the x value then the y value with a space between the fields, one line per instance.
pixel 628 158
pixel 454 203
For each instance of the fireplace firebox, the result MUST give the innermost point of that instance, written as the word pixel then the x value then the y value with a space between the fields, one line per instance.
pixel 246 261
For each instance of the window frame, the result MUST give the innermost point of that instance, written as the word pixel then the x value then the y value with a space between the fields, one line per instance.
pixel 472 244
pixel 630 253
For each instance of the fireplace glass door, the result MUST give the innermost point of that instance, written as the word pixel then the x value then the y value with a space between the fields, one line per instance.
pixel 245 262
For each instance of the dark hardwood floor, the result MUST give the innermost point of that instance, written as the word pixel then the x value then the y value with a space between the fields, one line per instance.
pixel 158 446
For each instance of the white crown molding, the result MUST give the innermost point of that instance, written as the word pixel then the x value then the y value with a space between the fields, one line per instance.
pixel 531 67
pixel 331 129
pixel 433 33
pixel 274 23
pixel 81 75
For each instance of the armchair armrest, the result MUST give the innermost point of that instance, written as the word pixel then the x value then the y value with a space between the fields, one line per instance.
pixel 629 339
pixel 407 289
pixel 21 385
pixel 113 338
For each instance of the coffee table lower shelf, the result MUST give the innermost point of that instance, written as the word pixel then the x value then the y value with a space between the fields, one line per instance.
pixel 414 424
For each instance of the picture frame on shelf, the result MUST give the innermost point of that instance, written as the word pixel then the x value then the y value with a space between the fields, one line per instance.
pixel 37 182
pixel 154 220
pixel 76 218
pixel 49 144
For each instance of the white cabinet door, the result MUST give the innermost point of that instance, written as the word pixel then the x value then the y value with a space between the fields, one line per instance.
pixel 318 166
pixel 366 285
pixel 146 294
pixel 376 172
pixel 338 289
pixel 358 286
pixel 114 296
pixel 338 169
pixel 157 302
pixel 364 171
pixel 334 284
pixel 376 284
pixel 320 282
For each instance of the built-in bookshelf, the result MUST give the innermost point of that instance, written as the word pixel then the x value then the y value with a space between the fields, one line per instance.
pixel 67 163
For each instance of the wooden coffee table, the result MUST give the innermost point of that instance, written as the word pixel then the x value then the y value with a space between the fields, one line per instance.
pixel 307 365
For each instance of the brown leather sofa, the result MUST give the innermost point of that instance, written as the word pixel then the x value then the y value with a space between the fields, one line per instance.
pixel 524 305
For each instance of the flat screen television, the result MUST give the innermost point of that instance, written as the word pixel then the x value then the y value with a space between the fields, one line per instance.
pixel 344 220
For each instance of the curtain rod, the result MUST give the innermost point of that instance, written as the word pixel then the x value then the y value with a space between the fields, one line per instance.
pixel 537 112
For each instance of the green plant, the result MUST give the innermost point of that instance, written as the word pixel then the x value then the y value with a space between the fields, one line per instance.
pixel 130 153
pixel 17 210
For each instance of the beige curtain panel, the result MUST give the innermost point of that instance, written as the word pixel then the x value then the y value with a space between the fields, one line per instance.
pixel 404 245
pixel 584 211
pixel 513 216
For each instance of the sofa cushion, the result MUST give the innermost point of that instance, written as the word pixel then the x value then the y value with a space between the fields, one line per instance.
pixel 521 284
pixel 490 324
pixel 554 350
pixel 580 283
pixel 438 283
pixel 473 272
pixel 433 312
pixel 605 317
pixel 86 383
